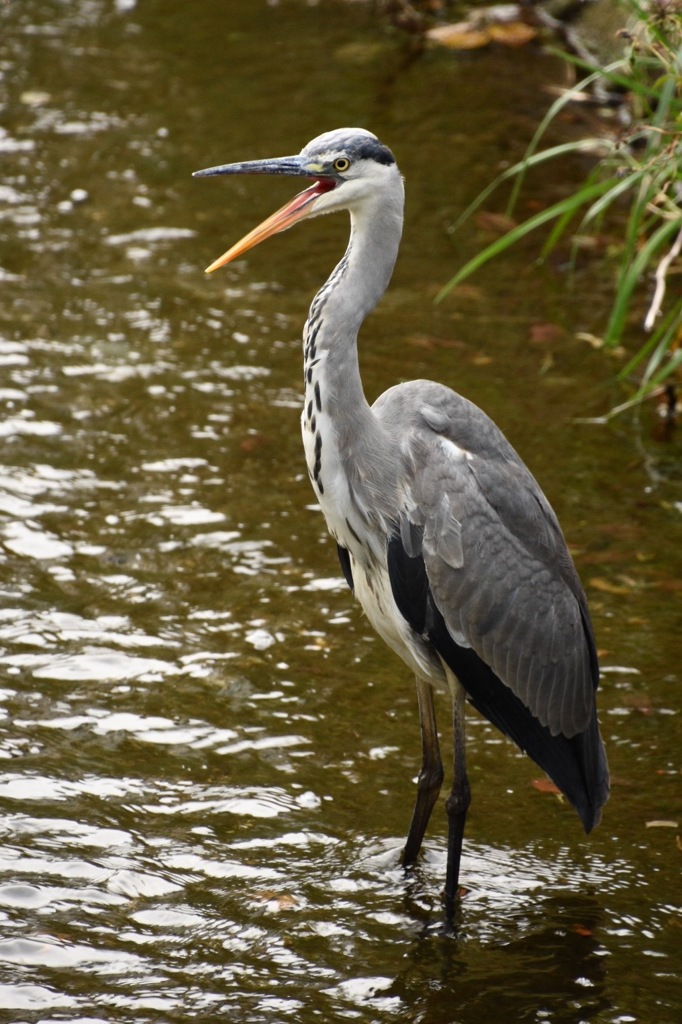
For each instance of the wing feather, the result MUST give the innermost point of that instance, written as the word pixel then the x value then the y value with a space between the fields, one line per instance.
pixel 480 569
pixel 576 764
pixel 498 568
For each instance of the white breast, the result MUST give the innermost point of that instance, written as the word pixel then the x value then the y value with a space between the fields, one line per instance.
pixel 373 591
pixel 366 546
pixel 329 481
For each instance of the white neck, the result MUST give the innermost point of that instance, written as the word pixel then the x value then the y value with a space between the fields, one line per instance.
pixel 341 434
pixel 352 291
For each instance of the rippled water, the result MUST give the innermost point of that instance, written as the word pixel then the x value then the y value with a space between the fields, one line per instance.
pixel 206 760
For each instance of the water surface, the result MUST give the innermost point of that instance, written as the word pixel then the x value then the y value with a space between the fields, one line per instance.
pixel 207 760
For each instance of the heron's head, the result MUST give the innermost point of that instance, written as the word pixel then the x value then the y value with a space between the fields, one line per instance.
pixel 349 168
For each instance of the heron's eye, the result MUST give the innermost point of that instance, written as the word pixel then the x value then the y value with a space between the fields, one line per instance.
pixel 341 164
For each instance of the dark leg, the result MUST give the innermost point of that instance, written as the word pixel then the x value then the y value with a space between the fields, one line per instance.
pixel 456 804
pixel 430 776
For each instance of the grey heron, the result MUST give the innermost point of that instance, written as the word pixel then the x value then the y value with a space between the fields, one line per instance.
pixel 443 534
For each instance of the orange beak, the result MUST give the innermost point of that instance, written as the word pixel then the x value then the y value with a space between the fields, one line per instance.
pixel 298 208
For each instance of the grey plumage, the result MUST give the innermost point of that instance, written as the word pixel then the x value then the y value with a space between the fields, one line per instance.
pixel 444 535
pixel 496 559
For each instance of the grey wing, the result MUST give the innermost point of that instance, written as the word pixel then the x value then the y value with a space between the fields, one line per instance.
pixel 497 565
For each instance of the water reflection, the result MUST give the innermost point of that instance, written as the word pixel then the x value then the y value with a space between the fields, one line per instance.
pixel 553 969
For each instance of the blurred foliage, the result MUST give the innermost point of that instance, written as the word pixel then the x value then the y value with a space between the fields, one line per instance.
pixel 414 15
pixel 641 167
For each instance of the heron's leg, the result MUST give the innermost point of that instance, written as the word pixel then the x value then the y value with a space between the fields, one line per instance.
pixel 430 775
pixel 458 801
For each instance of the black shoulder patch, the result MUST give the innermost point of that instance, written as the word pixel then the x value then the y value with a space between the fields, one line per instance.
pixel 344 559
pixel 409 584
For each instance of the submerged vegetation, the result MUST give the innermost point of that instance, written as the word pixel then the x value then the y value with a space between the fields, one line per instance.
pixel 639 169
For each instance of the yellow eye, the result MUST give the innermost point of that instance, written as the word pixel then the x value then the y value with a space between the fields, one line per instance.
pixel 342 164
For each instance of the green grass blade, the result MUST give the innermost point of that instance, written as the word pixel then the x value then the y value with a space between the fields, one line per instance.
pixel 664 331
pixel 582 145
pixel 665 338
pixel 571 203
pixel 601 204
pixel 594 211
pixel 667 370
pixel 624 81
pixel 631 276
pixel 551 114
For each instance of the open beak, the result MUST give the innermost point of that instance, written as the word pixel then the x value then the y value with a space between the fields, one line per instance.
pixel 298 208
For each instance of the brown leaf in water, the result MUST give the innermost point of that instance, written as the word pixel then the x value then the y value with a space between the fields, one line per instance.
pixel 512 33
pixel 482 30
pixel 428 341
pixel 468 291
pixel 499 223
pixel 278 901
pixel 581 929
pixel 545 334
pixel 253 442
pixel 463 35
pixel 640 702
pixel 545 786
